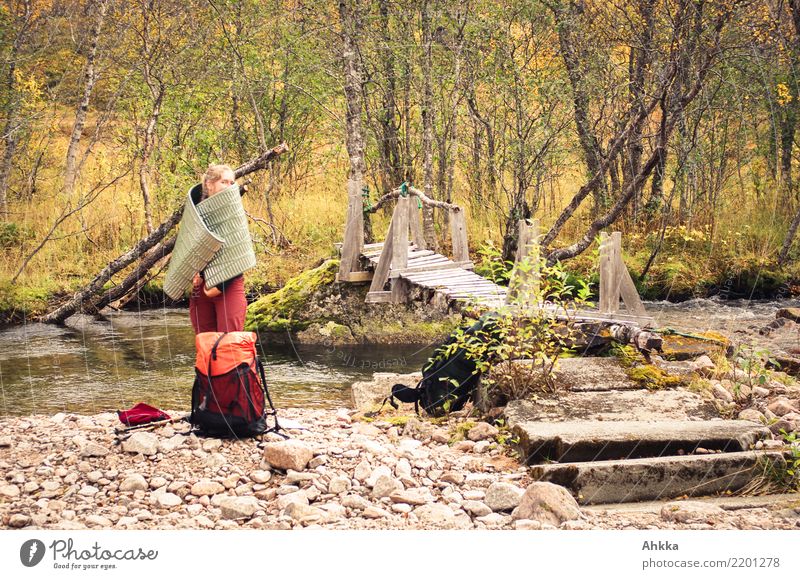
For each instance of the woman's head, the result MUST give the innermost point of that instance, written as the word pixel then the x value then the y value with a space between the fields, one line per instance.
pixel 217 178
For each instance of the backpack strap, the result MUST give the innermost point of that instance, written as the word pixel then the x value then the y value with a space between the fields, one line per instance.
pixel 402 393
pixel 273 412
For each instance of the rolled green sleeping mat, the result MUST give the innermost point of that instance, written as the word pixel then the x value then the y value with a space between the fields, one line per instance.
pixel 213 236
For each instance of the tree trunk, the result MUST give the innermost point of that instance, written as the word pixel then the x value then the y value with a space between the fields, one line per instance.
pixel 13 123
pixel 568 25
pixel 349 13
pixel 90 78
pixel 428 112
pixel 157 93
pixel 390 149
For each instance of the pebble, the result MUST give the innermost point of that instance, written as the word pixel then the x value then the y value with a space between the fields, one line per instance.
pixel 260 476
pixel 373 512
pixel 359 475
pixel 145 443
pixel 88 491
pixel 238 507
pixel 93 449
pixel 9 491
pixel 288 454
pixel 296 497
pixel 18 520
pixel 206 487
pixel 476 508
pixel 385 486
pixel 482 431
pixel 721 393
pixel 502 496
pixel 339 485
pixel 98 521
pixel 168 500
pixel 362 471
pixel 355 502
pixel 782 406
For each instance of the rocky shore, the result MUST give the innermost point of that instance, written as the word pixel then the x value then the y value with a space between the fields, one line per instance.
pixel 336 471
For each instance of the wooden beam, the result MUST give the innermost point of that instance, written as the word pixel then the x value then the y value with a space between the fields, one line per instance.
pixel 354 276
pixel 604 301
pixel 400 234
pixel 458 234
pixel 353 242
pixel 415 224
pixel 379 297
pixel 381 275
pixel 524 285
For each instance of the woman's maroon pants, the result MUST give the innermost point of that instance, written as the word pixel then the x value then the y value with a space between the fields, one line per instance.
pixel 224 313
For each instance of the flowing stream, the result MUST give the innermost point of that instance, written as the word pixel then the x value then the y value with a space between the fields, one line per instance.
pixel 93 366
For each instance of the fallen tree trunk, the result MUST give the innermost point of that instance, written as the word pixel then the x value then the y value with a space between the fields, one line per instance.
pixel 146 249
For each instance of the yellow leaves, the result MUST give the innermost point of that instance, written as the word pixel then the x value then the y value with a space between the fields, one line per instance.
pixel 29 89
pixel 784 94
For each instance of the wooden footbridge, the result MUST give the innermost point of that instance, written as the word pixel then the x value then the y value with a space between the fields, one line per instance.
pixel 402 265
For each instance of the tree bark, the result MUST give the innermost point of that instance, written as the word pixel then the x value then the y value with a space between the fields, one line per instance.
pixel 349 14
pixel 568 25
pixel 428 112
pixel 90 78
pixel 392 169
pixel 156 87
pixel 13 123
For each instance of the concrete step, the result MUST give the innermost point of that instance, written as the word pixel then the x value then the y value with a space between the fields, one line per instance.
pixel 579 441
pixel 655 478
pixel 613 406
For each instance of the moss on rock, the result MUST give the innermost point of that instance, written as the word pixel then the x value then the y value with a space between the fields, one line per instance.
pixel 682 347
pixel 653 378
pixel 279 311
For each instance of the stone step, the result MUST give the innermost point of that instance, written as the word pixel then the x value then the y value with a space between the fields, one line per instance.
pixel 612 406
pixel 579 441
pixel 656 478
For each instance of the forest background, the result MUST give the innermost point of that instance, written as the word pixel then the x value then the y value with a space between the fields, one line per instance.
pixel 674 121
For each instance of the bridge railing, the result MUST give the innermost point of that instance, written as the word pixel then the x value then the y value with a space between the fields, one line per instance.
pixel 394 256
pixel 615 280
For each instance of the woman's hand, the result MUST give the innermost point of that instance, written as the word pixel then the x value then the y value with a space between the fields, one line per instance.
pixel 212 292
pixel 197 281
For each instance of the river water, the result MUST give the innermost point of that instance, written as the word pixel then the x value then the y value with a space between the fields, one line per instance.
pixel 93 366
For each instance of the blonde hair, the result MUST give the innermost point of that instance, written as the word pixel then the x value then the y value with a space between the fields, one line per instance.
pixel 212 174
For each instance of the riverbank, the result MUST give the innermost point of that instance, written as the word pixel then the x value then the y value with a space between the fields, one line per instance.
pixel 66 472
pixel 671 279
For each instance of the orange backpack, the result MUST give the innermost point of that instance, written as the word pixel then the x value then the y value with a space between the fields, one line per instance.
pixel 230 390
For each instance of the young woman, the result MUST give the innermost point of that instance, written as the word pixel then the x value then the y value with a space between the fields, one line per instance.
pixel 220 308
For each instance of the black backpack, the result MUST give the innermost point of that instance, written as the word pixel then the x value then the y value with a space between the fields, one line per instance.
pixel 448 381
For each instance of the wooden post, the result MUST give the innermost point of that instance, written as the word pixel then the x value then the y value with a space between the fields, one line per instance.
pixel 616 265
pixel 524 285
pixel 458 234
pixel 400 234
pixel 415 223
pixel 615 281
pixel 353 231
pixel 393 256
pixel 604 300
pixel 625 287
